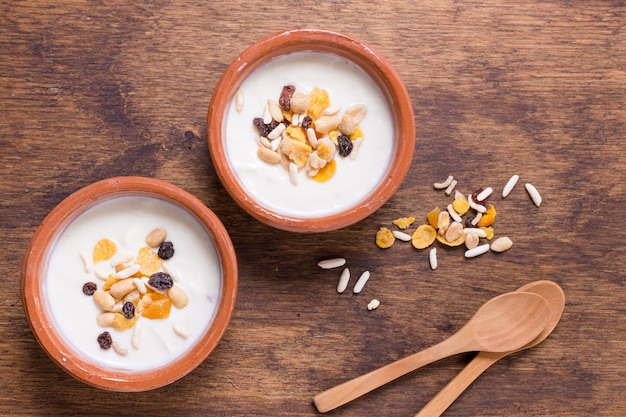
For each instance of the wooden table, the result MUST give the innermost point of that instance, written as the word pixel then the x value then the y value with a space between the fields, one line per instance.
pixel 90 90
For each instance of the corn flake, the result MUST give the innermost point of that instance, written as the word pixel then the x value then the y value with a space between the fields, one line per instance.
pixel 384 238
pixel 297 133
pixel 104 250
pixel 404 222
pixel 148 261
pixel 327 172
pixel 424 236
pixel 320 101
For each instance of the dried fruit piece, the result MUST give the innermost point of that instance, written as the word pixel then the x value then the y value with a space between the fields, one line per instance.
pixel 105 340
pixel 488 217
pixel 433 217
pixel 158 309
pixel 89 288
pixel 404 222
pixel 128 310
pixel 423 237
pixel 149 261
pixel 161 281
pixel 327 172
pixel 104 250
pixel 285 97
pixel 384 238
pixel 166 250
pixel 345 145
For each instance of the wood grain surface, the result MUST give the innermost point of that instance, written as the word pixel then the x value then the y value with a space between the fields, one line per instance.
pixel 95 89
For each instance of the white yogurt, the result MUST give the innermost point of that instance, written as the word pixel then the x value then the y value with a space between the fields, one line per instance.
pixel 127 221
pixel 347 85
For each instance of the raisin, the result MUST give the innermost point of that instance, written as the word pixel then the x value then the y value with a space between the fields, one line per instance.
pixel 104 340
pixel 161 281
pixel 166 250
pixel 89 288
pixel 476 193
pixel 469 220
pixel 285 97
pixel 263 129
pixel 345 145
pixel 128 309
pixel 306 122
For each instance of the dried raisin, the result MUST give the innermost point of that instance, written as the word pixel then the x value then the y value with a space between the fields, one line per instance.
pixel 161 281
pixel 104 340
pixel 306 122
pixel 89 288
pixel 345 145
pixel 285 97
pixel 166 250
pixel 263 129
pixel 128 309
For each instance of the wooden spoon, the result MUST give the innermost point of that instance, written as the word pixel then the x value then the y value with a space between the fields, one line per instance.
pixel 556 302
pixel 504 323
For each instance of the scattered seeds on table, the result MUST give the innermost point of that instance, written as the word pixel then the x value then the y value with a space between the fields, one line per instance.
pixel 373 305
pixel 358 287
pixel 432 258
pixel 510 185
pixel 482 195
pixel 331 263
pixel 405 237
pixel 501 244
pixel 471 240
pixel 444 184
pixel 478 250
pixel 344 278
pixel 476 206
pixel 534 194
pixel 451 187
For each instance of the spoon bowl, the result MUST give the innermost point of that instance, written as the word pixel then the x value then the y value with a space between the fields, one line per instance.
pixel 555 298
pixel 504 323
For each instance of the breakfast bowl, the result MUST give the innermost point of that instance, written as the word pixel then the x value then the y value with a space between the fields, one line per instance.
pixel 310 130
pixel 129 283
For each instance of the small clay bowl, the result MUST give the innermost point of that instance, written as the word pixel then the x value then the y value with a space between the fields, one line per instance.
pixel 282 44
pixel 38 256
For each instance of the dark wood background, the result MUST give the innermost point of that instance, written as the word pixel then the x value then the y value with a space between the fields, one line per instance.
pixel 95 89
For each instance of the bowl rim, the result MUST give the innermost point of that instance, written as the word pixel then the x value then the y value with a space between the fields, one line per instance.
pixel 33 299
pixel 318 40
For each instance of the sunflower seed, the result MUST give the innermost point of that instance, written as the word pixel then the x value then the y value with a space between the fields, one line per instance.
pixel 432 258
pixel 343 280
pixel 534 194
pixel 331 263
pixel 478 250
pixel 444 184
pixel 358 287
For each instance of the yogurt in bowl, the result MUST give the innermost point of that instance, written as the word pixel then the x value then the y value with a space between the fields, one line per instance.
pixel 129 283
pixel 352 74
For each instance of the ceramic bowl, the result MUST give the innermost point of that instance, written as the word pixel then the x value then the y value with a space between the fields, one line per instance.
pixel 228 138
pixel 39 262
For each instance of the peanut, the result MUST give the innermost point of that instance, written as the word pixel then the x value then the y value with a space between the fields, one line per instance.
pixel 156 237
pixel 347 124
pixel 178 296
pixel 104 300
pixel 121 288
pixel 327 123
pixel 300 103
pixel 105 319
pixel 357 112
pixel 275 110
pixel 268 155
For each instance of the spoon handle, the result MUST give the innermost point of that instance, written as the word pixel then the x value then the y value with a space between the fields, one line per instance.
pixel 455 388
pixel 354 388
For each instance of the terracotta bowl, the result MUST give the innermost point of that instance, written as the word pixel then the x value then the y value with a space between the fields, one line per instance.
pixel 55 226
pixel 279 45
